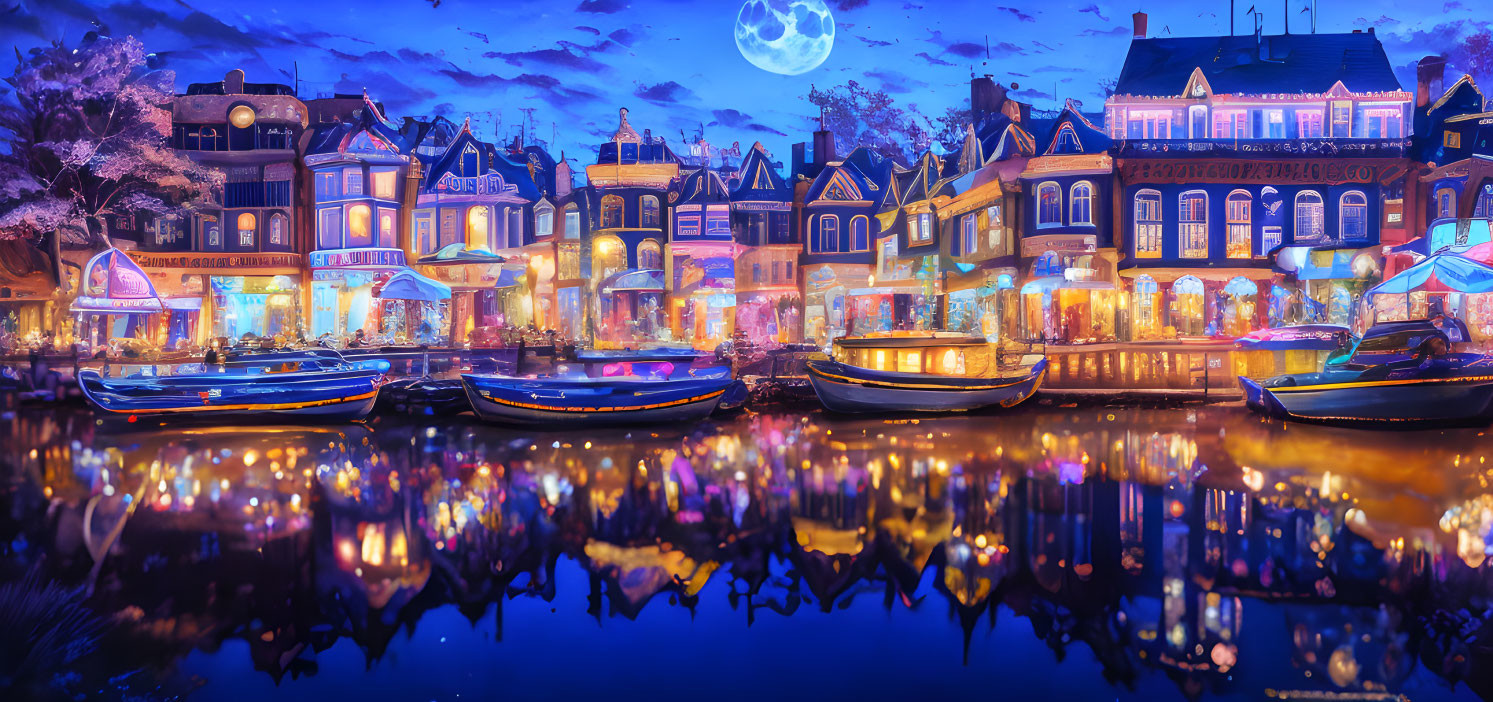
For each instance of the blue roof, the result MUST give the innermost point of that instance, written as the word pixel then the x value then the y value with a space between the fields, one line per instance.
pixel 700 187
pixel 1239 65
pixel 757 171
pixel 1086 138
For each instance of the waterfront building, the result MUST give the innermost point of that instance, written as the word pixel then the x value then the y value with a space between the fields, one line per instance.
pixel 358 172
pixel 769 302
pixel 979 222
pixel 1068 258
pixel 904 292
pixel 232 271
pixel 1454 139
pixel 1258 175
pixel 700 260
pixel 475 219
pixel 624 202
pixel 839 223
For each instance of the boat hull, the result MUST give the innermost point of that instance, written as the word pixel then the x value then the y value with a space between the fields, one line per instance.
pixel 565 403
pixel 1425 401
pixel 321 396
pixel 852 390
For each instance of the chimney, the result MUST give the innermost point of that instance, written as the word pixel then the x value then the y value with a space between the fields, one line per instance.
pixel 233 82
pixel 983 98
pixel 824 147
pixel 1429 74
pixel 1140 25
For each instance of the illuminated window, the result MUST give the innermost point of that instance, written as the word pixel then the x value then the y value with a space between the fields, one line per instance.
pixel 383 185
pixel 1147 318
pixel 1230 124
pixel 611 211
pixel 650 256
pixel 1193 223
pixel 1239 205
pixel 1309 215
pixel 1309 124
pixel 386 227
pixel 1452 140
pixel 1081 203
pixel 1275 124
pixel 650 211
pixel 477 228
pixel 920 228
pixel 1148 224
pixel 359 226
pixel 969 235
pixel 1342 119
pixel 910 362
pixel 246 224
pixel 1353 211
pixel 1484 204
pixel 352 180
pixel 952 362
pixel 572 222
pixel 608 256
pixel 995 224
pixel 544 221
pixel 1446 202
pixel 1049 205
pixel 1381 123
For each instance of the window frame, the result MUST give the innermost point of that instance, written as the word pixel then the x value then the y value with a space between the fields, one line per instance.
pixel 1192 233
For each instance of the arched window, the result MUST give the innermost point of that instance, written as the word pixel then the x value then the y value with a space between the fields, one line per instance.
pixel 477 228
pixel 572 222
pixel 828 239
pixel 1081 203
pixel 246 224
pixel 359 226
pixel 1353 213
pixel 1273 208
pixel 386 227
pixel 1049 205
pixel 1148 224
pixel 544 221
pixel 279 234
pixel 1484 207
pixel 1239 205
pixel 650 211
pixel 860 233
pixel 650 256
pixel 1187 306
pixel 1446 202
pixel 1309 216
pixel 611 211
pixel 608 256
pixel 1239 309
pixel 514 229
pixel 1147 318
pixel 1192 226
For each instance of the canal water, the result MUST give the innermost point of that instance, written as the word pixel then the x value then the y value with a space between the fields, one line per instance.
pixel 1063 551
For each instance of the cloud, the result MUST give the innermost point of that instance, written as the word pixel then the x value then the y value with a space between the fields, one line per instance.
pixel 1453 5
pixel 1095 11
pixel 569 54
pixel 735 119
pixel 872 42
pixel 602 7
pixel 592 30
pixel 665 93
pixel 1032 94
pixel 930 59
pixel 847 5
pixel 1115 31
pixel 625 36
pixel 1018 14
pixel 895 82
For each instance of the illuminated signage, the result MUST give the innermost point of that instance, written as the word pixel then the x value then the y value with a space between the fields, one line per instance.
pixel 1304 171
pixel 216 261
pixel 485 184
pixel 358 258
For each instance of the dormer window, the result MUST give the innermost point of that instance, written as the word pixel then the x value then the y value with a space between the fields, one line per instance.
pixel 1049 205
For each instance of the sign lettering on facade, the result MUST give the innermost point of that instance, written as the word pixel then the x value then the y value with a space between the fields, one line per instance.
pixel 350 258
pixel 216 261
pixel 1305 171
pixel 485 184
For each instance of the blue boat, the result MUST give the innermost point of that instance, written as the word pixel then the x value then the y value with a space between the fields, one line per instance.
pixel 562 403
pixel 275 385
pixel 926 373
pixel 1399 372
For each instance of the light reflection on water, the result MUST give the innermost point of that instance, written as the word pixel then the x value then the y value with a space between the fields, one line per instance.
pixel 1108 551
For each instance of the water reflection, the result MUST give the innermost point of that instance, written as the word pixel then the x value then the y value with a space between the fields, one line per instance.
pixel 1227 554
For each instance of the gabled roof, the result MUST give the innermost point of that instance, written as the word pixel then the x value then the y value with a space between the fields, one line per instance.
pixel 925 181
pixel 338 137
pixel 700 187
pixel 514 172
pixel 1072 133
pixel 758 179
pixel 844 183
pixel 1241 65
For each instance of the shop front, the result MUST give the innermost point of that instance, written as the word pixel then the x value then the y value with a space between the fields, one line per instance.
pixel 115 304
pixel 631 310
pixel 703 294
pixel 826 286
pixel 228 296
pixel 490 294
pixel 1169 304
pixel 343 282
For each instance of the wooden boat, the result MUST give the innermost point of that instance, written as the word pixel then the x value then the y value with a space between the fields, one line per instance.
pixel 1400 372
pixel 559 403
pixel 270 385
pixel 923 373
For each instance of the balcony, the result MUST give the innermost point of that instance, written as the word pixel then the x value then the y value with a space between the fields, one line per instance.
pixel 1302 148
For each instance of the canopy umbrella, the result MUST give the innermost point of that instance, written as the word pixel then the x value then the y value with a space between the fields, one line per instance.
pixel 639 279
pixel 409 285
pixel 113 284
pixel 458 253
pixel 1440 273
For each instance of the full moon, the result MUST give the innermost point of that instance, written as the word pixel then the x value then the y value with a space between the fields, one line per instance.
pixel 785 37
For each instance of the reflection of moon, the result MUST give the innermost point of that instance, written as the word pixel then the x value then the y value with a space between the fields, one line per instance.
pixel 788 37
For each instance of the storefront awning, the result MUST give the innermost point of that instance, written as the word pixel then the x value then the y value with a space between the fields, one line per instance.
pixel 182 303
pixel 113 284
pixel 644 280
pixel 1439 273
pixel 409 285
pixel 508 278
pixel 1057 282
pixel 453 254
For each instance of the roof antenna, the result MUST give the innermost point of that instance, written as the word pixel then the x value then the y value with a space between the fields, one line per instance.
pixel 1285 7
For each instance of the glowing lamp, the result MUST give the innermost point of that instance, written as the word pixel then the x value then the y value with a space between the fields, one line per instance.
pixel 241 116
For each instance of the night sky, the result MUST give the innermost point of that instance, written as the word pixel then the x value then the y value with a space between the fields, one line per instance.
pixel 674 63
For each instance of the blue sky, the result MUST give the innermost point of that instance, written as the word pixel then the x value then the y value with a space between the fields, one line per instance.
pixel 674 63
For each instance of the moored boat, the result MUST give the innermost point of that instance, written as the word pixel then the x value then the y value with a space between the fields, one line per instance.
pixel 560 403
pixel 310 385
pixel 1399 372
pixel 923 373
